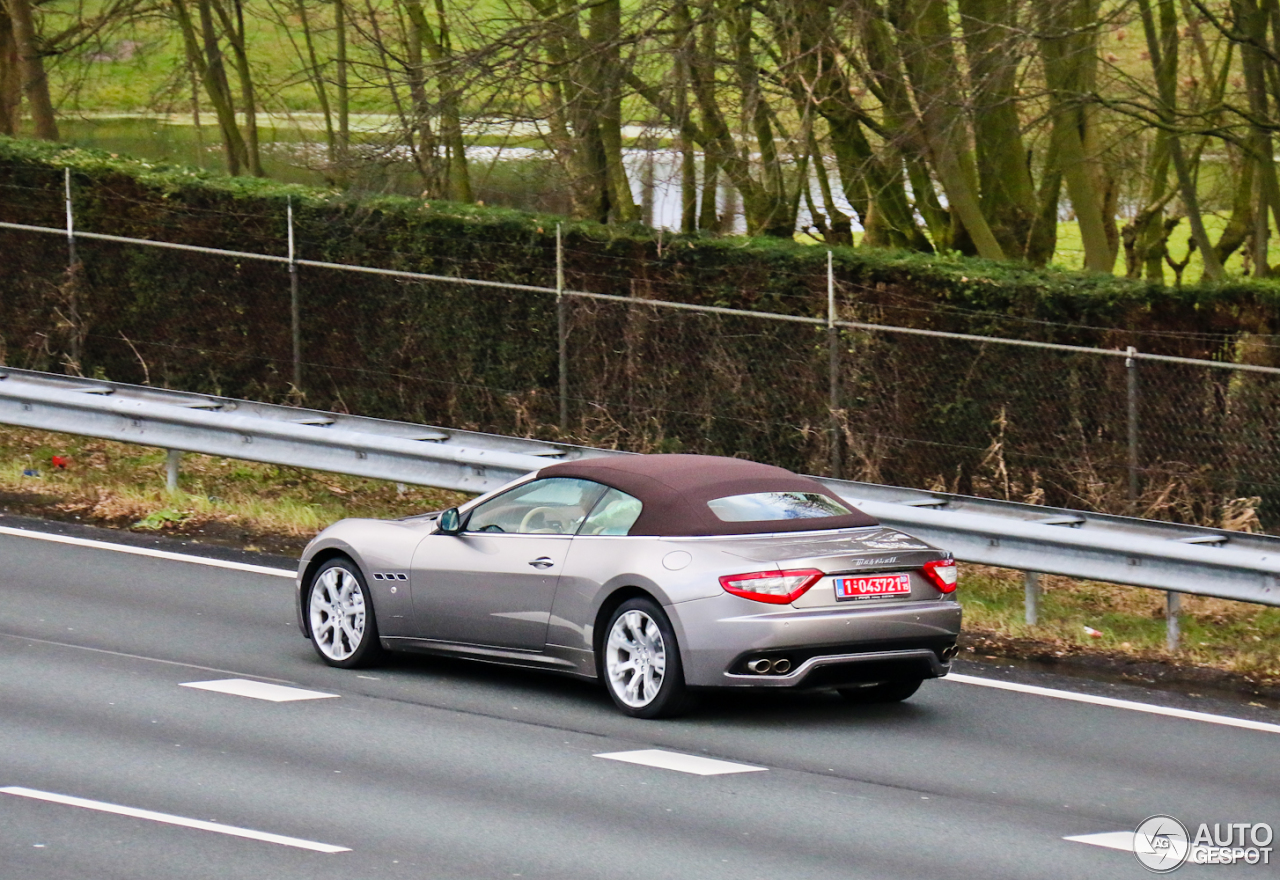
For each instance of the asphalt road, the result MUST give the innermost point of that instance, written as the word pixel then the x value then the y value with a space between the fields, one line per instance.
pixel 429 768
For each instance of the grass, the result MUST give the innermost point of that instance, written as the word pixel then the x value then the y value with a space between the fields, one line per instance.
pixel 123 486
pixel 1234 636
pixel 1069 251
pixel 279 508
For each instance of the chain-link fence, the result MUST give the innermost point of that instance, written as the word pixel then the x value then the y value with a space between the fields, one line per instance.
pixel 828 391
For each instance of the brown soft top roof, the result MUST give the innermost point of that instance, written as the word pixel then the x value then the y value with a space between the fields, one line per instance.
pixel 675 489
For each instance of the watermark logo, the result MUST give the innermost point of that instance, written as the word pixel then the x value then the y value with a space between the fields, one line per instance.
pixel 1161 844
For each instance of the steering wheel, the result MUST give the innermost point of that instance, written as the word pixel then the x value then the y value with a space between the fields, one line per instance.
pixel 538 511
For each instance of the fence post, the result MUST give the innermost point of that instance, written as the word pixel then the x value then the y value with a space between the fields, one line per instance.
pixel 562 333
pixel 833 369
pixel 1031 589
pixel 73 304
pixel 295 309
pixel 1173 607
pixel 1131 389
pixel 171 462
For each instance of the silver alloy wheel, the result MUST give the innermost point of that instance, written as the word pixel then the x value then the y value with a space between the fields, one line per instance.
pixel 337 613
pixel 635 659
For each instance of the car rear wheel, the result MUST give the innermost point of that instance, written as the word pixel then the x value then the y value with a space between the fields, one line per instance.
pixel 343 628
pixel 641 662
pixel 884 692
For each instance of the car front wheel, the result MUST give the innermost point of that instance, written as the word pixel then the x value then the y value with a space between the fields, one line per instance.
pixel 641 662
pixel 343 628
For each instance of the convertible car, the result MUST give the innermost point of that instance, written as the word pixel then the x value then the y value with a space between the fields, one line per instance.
pixel 655 574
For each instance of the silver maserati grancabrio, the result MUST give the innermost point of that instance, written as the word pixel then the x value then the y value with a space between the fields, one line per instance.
pixel 656 574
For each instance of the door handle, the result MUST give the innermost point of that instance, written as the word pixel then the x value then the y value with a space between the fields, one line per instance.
pixel 542 562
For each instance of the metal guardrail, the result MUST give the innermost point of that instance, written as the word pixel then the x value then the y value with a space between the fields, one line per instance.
pixel 1034 539
pixel 344 444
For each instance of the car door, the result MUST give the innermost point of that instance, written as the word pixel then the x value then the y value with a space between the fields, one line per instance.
pixel 494 583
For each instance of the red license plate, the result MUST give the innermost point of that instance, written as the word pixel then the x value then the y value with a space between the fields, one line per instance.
pixel 873 586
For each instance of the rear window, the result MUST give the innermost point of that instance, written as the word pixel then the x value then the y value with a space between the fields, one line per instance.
pixel 767 506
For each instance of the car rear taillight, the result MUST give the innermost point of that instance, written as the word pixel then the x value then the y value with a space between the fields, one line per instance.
pixel 774 587
pixel 942 573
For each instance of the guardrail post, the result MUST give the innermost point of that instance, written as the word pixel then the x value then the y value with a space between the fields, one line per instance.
pixel 1173 607
pixel 172 459
pixel 562 333
pixel 833 369
pixel 295 309
pixel 1131 388
pixel 73 304
pixel 1031 590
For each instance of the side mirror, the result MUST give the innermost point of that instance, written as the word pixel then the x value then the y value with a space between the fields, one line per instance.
pixel 449 523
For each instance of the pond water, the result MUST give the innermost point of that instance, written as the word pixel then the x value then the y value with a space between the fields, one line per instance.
pixel 517 177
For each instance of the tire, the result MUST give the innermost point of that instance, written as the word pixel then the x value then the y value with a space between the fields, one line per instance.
pixel 884 692
pixel 640 662
pixel 340 614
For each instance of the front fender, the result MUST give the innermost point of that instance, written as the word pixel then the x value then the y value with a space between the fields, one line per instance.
pixel 381 550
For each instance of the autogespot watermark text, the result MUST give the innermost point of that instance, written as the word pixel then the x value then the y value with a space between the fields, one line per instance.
pixel 1162 844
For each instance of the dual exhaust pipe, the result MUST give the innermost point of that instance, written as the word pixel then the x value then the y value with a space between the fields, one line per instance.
pixel 765 666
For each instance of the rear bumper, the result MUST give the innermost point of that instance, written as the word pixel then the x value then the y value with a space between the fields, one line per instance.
pixel 824 647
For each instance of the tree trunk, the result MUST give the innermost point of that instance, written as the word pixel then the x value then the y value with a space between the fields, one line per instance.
pixel 865 178
pixel 886 79
pixel 925 36
pixel 35 84
pixel 1166 84
pixel 428 147
pixel 10 78
pixel 1067 50
pixel 315 76
pixel 340 79
pixel 441 51
pixel 604 26
pixel 683 46
pixel 780 220
pixel 1253 62
pixel 569 58
pixel 206 58
pixel 233 27
pixel 1008 194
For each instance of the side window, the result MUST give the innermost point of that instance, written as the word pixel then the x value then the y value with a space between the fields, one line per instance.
pixel 554 506
pixel 614 514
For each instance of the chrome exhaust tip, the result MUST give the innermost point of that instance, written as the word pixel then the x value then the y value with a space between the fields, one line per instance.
pixel 781 666
pixel 761 666
pixel 948 654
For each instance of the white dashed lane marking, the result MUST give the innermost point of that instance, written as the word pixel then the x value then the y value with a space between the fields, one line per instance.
pixel 1121 840
pixel 695 764
pixel 258 690
pixel 1111 702
pixel 168 819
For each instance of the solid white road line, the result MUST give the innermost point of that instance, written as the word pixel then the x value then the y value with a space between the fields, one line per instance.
pixel 168 819
pixel 258 690
pixel 5 635
pixel 684 763
pixel 1113 703
pixel 145 551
